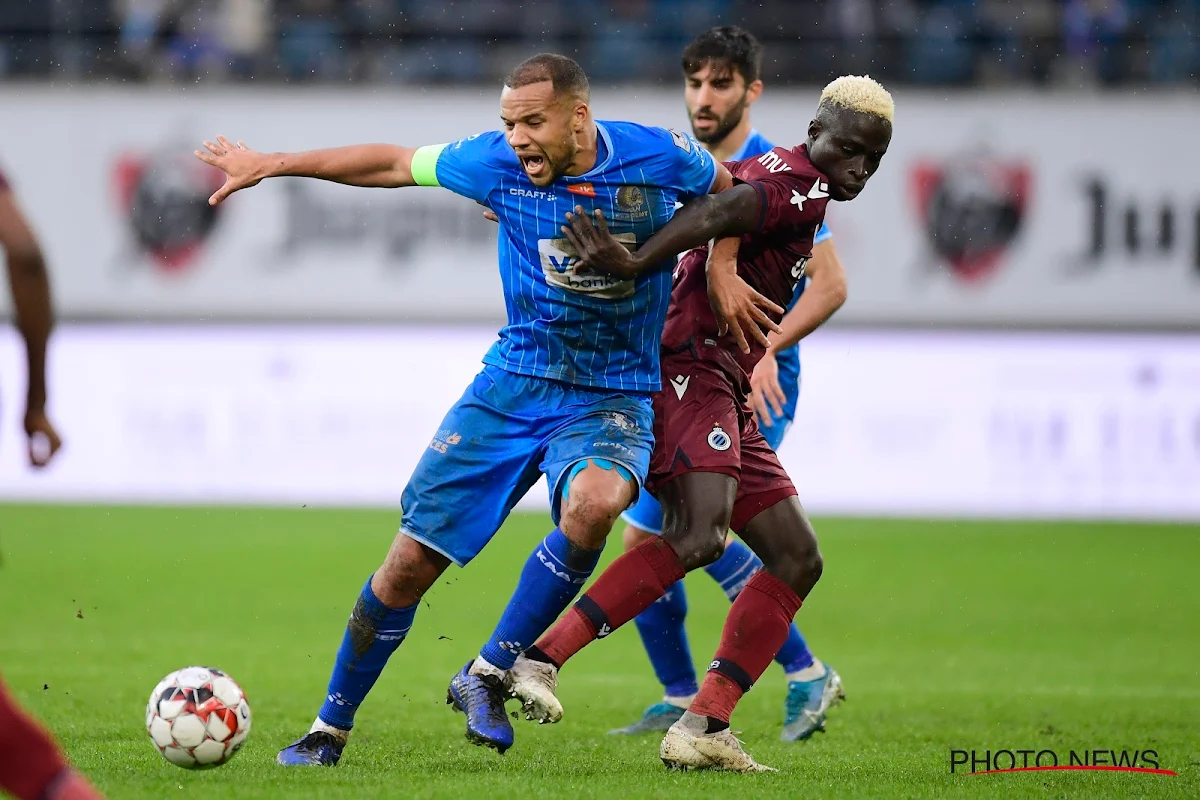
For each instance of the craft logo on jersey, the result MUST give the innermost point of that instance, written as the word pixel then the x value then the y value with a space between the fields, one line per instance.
pixel 560 263
pixel 972 210
pixel 718 439
pixel 631 204
pixel 165 196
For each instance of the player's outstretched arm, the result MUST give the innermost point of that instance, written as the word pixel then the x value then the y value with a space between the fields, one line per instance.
pixel 30 283
pixel 377 165
pixel 728 213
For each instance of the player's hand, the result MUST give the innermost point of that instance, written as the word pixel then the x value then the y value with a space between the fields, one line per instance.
pixel 242 166
pixel 598 251
pixel 740 310
pixel 44 441
pixel 490 215
pixel 766 394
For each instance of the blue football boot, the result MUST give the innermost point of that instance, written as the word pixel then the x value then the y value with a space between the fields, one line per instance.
pixel 806 705
pixel 481 698
pixel 316 749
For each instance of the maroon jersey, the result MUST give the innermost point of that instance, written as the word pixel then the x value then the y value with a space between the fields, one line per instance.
pixel 792 198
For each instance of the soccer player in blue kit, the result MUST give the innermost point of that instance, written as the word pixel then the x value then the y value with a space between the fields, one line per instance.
pixel 564 391
pixel 721 72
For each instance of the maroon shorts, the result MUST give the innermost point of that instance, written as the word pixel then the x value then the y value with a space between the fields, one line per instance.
pixel 702 423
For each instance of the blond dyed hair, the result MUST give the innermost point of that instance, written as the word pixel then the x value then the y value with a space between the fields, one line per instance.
pixel 859 93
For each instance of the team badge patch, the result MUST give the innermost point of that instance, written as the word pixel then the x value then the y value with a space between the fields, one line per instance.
pixel 718 439
pixel 631 204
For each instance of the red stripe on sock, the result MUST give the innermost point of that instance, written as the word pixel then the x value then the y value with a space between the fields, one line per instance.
pixel 628 587
pixel 755 629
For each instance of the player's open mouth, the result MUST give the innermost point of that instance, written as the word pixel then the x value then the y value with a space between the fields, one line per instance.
pixel 533 164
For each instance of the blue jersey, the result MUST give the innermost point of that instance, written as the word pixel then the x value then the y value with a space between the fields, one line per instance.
pixel 581 329
pixel 788 360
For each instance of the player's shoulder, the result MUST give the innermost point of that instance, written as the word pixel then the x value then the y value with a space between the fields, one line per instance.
pixel 633 140
pixel 489 148
pixel 785 164
pixel 756 144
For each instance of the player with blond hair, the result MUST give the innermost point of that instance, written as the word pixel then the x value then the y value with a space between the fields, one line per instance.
pixel 711 469
pixel 721 69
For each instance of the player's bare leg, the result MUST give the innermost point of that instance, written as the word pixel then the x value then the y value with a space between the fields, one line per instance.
pixel 756 626
pixel 596 496
pixel 408 571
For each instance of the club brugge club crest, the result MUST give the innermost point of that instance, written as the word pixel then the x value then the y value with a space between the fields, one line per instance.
pixel 165 195
pixel 718 439
pixel 972 210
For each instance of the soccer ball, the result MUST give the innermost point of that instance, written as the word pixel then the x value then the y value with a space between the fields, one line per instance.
pixel 198 717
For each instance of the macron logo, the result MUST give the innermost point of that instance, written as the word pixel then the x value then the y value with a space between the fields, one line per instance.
pixel 680 384
pixel 817 192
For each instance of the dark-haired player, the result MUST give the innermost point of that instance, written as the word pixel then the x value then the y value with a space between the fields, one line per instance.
pixel 721 70
pixel 564 392
pixel 712 469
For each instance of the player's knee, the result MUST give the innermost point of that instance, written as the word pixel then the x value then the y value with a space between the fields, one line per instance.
pixel 696 545
pixel 596 496
pixel 801 565
pixel 407 572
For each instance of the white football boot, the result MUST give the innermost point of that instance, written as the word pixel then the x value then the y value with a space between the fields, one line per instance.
pixel 686 746
pixel 533 683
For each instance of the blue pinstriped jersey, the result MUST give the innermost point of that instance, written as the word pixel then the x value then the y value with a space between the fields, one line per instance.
pixel 581 329
pixel 788 360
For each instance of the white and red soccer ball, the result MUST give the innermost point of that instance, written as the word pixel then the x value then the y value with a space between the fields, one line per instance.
pixel 198 717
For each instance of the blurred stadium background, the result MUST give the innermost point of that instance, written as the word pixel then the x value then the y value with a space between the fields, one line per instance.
pixel 1021 341
pixel 1024 273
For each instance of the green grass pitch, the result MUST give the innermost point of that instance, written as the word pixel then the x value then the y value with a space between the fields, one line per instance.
pixel 964 635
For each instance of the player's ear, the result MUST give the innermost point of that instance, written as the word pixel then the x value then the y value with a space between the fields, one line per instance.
pixel 579 116
pixel 814 129
pixel 753 91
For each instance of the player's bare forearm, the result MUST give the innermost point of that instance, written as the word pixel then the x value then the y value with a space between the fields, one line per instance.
pixel 30 286
pixel 729 213
pixel 376 165
pixel 35 320
pixel 825 293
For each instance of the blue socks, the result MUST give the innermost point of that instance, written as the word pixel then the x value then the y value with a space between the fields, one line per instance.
pixel 734 568
pixel 372 635
pixel 662 625
pixel 665 637
pixel 552 577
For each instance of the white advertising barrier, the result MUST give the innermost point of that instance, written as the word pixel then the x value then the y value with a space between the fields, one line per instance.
pixel 899 423
pixel 990 209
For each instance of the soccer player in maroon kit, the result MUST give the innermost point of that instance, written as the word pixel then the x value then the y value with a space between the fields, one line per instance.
pixel 711 469
pixel 31 765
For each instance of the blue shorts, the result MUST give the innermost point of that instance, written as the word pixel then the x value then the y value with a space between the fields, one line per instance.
pixel 646 513
pixel 499 438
